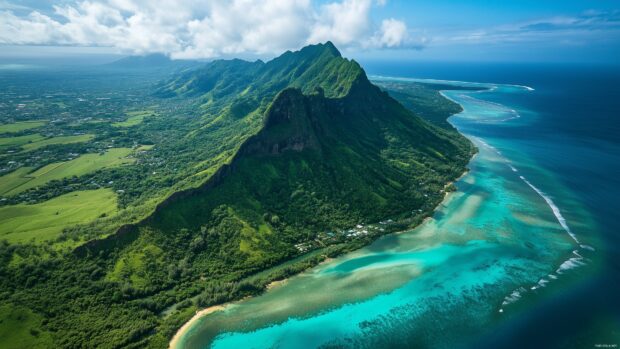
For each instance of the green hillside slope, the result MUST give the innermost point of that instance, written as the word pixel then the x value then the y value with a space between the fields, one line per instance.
pixel 299 153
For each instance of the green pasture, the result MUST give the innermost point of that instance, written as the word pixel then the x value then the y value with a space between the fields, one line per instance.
pixel 20 126
pixel 58 140
pixel 134 118
pixel 21 180
pixel 46 220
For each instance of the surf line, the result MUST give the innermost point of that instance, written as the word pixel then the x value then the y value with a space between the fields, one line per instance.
pixel 571 263
pixel 554 208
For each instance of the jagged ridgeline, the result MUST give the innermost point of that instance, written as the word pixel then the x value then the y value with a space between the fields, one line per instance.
pixel 250 83
pixel 333 150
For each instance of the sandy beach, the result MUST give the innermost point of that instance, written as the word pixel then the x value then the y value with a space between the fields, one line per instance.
pixel 186 326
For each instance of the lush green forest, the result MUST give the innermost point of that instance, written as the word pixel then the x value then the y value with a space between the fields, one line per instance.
pixel 205 182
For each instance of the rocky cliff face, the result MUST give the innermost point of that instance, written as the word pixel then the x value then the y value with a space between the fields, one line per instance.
pixel 290 123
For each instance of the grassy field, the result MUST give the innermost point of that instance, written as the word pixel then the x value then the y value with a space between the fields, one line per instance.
pixel 15 183
pixel 46 220
pixel 14 179
pixel 20 126
pixel 36 141
pixel 20 329
pixel 57 140
pixel 20 140
pixel 135 118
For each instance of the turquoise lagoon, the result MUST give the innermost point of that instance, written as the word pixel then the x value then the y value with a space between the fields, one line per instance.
pixel 498 246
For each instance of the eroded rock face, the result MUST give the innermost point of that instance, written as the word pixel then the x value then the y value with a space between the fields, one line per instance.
pixel 290 124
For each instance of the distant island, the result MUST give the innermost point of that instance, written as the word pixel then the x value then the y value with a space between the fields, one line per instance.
pixel 206 182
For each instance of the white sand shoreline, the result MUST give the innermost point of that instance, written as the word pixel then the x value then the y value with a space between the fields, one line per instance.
pixel 174 343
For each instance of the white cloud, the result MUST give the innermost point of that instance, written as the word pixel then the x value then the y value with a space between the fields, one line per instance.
pixel 393 32
pixel 247 26
pixel 344 23
pixel 204 28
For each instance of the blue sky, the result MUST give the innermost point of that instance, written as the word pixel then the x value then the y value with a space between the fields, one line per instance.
pixel 474 30
pixel 525 30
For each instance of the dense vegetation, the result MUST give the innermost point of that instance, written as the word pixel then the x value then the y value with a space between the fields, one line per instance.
pixel 237 174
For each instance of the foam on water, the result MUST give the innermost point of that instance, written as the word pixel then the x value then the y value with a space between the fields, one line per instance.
pixel 554 208
pixel 514 296
pixel 572 263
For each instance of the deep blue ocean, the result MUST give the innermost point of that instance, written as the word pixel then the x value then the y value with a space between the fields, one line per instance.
pixel 575 136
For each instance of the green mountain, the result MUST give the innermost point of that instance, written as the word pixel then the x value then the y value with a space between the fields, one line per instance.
pixel 315 65
pixel 333 151
pixel 321 162
pixel 278 162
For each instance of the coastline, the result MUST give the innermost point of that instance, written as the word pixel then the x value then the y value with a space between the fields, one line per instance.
pixel 182 331
pixel 174 342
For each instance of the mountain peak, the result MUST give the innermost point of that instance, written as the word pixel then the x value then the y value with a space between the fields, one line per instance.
pixel 319 65
pixel 320 48
pixel 330 46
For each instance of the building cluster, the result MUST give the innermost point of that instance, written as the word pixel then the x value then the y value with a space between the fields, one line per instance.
pixel 332 237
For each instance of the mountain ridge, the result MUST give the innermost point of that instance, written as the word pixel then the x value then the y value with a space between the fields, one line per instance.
pixel 295 121
pixel 363 124
pixel 287 157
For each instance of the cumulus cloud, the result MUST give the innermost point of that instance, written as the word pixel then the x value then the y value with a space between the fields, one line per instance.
pixel 393 32
pixel 205 28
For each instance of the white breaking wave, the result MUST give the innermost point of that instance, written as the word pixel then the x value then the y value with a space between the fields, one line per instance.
pixel 571 263
pixel 554 208
pixel 523 86
pixel 514 296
